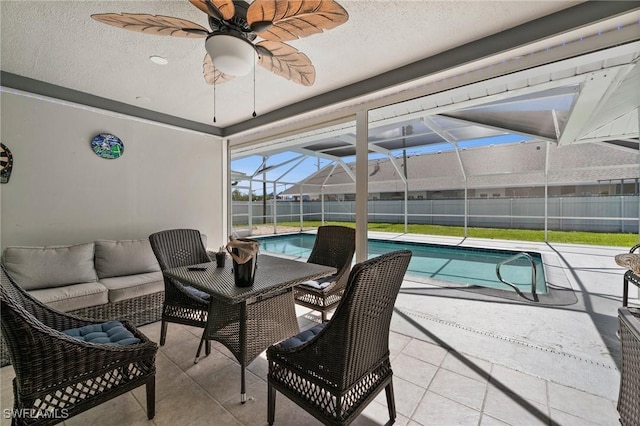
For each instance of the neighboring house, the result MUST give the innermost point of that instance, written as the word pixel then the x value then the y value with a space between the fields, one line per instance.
pixel 509 170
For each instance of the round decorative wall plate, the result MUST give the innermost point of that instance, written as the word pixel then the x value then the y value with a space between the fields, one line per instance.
pixel 6 163
pixel 106 145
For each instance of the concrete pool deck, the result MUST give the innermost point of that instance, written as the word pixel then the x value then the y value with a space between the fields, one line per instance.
pixel 457 360
pixel 573 345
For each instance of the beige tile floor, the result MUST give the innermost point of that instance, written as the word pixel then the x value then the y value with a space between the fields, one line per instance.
pixel 456 360
pixel 433 386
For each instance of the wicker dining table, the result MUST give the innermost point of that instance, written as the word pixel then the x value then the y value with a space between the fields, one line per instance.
pixel 247 320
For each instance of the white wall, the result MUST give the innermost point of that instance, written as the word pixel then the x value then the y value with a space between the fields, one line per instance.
pixel 60 192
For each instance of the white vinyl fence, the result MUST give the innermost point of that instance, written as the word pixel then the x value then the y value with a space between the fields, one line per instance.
pixel 596 213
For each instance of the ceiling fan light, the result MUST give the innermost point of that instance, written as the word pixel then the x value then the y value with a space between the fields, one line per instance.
pixel 231 55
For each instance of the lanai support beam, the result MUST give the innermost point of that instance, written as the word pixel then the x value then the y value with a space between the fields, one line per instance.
pixel 300 159
pixel 499 128
pixel 428 121
pixel 275 209
pixel 375 148
pixel 404 179
pixel 301 209
pixel 597 88
pixel 546 194
pixel 332 158
pixel 250 207
pixel 324 182
pixel 264 168
pixel 362 185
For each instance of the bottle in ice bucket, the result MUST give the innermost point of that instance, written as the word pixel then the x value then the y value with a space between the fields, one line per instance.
pixel 244 253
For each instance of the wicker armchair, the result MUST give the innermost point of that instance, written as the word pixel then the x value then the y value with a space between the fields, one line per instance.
pixel 629 277
pixel 182 304
pixel 336 369
pixel 334 246
pixel 58 376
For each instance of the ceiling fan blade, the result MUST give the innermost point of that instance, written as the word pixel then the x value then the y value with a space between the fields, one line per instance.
pixel 287 62
pixel 153 24
pixel 261 50
pixel 212 74
pixel 290 20
pixel 222 10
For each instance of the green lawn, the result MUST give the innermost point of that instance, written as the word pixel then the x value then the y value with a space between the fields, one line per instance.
pixel 588 238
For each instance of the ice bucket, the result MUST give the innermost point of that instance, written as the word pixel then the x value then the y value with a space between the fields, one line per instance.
pixel 244 273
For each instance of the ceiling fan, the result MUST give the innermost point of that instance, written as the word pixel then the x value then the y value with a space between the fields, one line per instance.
pixel 235 25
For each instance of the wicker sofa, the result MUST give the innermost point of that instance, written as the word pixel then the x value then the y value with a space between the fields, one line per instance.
pixel 104 279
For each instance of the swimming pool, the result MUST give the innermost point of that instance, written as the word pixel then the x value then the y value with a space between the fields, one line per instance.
pixel 468 266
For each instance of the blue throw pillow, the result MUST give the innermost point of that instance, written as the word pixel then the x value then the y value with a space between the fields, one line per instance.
pixel 198 293
pixel 112 332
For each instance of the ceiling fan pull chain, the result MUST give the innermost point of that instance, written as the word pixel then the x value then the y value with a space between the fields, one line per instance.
pixel 254 85
pixel 214 97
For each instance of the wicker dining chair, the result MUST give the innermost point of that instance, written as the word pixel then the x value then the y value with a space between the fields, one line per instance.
pixel 629 277
pixel 337 368
pixel 334 246
pixel 183 304
pixel 57 375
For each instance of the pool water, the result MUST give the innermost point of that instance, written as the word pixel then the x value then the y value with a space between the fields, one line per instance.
pixel 462 265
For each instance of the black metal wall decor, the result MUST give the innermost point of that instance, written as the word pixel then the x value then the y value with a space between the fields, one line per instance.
pixel 6 163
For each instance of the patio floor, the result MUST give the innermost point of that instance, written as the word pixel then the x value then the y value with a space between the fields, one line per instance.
pixel 458 358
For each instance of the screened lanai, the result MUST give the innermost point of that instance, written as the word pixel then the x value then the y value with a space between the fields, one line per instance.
pixel 552 146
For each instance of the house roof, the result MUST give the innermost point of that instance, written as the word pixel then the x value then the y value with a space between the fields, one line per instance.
pixel 507 165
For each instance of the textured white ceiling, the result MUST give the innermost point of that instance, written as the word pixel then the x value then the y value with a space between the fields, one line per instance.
pixel 57 42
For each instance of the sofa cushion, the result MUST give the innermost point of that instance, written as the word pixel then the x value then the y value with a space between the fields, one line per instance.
pixel 112 332
pixel 73 297
pixel 53 266
pixel 130 286
pixel 124 257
